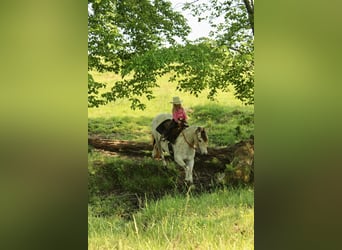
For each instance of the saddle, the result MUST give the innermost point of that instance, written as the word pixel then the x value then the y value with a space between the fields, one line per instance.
pixel 171 130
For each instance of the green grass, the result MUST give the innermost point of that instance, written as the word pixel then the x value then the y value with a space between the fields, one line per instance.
pixel 225 125
pixel 164 218
pixel 227 119
pixel 121 128
pixel 161 102
pixel 135 203
pixel 220 220
pixel 111 177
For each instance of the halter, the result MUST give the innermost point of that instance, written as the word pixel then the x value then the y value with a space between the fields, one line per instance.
pixel 187 142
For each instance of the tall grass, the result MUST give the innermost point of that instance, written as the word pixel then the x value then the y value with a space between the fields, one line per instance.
pixel 220 220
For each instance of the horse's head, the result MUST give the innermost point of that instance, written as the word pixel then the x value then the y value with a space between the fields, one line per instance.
pixel 201 140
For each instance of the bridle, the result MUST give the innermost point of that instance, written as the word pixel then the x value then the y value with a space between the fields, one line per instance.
pixel 187 142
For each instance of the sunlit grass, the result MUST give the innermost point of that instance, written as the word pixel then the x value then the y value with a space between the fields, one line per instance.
pixel 221 117
pixel 220 220
pixel 161 102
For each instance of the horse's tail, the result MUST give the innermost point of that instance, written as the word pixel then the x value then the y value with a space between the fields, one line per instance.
pixel 153 140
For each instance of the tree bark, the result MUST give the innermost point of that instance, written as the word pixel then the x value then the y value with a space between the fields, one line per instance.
pixel 250 11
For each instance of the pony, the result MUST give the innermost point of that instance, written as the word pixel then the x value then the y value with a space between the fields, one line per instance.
pixel 189 140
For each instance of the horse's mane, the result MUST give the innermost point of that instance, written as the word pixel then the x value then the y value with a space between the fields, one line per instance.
pixel 194 128
pixel 204 135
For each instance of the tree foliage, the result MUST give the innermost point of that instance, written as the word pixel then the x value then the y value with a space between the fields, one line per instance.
pixel 138 40
pixel 119 30
pixel 232 23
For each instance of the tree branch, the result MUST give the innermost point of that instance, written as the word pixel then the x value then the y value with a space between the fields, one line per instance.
pixel 250 10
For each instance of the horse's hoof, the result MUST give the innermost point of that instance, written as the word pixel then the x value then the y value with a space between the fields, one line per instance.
pixel 189 187
pixel 189 183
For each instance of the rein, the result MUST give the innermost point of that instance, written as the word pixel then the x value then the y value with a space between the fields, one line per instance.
pixel 187 142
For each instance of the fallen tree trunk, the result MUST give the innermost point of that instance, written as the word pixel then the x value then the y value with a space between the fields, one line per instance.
pixel 131 148
pixel 118 145
pixel 234 163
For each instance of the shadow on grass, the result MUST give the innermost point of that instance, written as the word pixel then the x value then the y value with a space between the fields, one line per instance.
pixel 122 185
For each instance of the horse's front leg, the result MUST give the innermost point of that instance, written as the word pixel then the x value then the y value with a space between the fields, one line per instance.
pixel 180 162
pixel 191 167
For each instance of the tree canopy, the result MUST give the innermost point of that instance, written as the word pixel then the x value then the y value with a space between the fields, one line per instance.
pixel 141 40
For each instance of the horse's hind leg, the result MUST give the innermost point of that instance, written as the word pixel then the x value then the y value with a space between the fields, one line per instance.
pixel 155 153
pixel 161 152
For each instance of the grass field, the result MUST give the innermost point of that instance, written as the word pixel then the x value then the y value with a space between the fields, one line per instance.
pixel 220 220
pixel 135 204
pixel 226 119
pixel 161 102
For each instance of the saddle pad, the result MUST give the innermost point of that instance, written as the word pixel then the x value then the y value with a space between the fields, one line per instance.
pixel 162 127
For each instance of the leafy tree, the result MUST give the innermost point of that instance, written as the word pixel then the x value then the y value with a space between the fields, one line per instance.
pixel 234 37
pixel 137 40
pixel 119 30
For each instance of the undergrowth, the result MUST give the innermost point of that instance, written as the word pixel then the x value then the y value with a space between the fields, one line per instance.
pixel 116 186
pixel 220 220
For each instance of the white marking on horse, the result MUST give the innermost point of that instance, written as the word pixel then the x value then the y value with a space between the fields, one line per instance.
pixel 191 139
